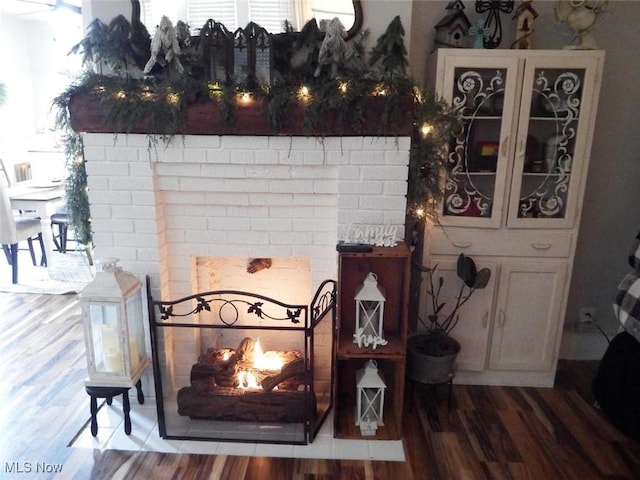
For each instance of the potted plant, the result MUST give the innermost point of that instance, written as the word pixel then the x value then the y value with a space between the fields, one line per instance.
pixel 432 351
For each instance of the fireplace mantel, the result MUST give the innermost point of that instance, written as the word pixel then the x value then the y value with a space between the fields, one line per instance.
pixel 88 116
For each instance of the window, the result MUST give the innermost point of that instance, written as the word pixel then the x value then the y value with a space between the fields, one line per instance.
pixel 269 14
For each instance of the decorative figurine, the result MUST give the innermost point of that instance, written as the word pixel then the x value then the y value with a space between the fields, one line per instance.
pixel 480 32
pixel 334 49
pixel 164 47
pixel 580 16
pixel 453 29
pixel 494 7
pixel 525 15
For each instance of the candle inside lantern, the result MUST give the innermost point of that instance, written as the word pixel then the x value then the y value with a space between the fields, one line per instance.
pixel 134 355
pixel 111 349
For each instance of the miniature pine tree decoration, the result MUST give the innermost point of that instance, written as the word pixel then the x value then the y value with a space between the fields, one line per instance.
pixel 95 45
pixel 390 50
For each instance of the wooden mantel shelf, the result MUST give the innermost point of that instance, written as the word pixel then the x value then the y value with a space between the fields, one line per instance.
pixel 87 116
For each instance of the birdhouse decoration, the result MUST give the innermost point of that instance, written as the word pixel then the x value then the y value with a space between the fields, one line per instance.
pixel 453 30
pixel 113 317
pixel 525 15
pixel 370 399
pixel 370 301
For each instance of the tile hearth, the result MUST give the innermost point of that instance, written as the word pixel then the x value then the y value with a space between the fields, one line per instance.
pixel 144 437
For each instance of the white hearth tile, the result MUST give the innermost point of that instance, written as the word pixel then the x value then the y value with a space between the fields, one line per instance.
pixel 198 447
pixel 144 418
pixel 341 448
pixel 110 415
pixel 145 437
pixel 277 451
pixel 320 448
pixel 121 441
pixel 391 450
pixel 154 443
pixel 86 440
pixel 239 449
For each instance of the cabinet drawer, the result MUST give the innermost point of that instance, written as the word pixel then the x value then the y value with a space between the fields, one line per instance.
pixel 481 242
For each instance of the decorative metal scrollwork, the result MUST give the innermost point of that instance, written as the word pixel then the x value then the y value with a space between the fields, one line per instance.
pixel 228 311
pixel 475 95
pixel 558 97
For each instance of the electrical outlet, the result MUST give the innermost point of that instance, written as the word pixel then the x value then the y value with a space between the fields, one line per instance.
pixel 587 316
pixel 586 320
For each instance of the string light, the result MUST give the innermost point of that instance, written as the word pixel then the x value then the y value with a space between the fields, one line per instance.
pixel 304 94
pixel 245 98
pixel 121 95
pixel 343 87
pixel 419 212
pixel 147 95
pixel 425 129
pixel 214 89
pixel 380 90
pixel 173 98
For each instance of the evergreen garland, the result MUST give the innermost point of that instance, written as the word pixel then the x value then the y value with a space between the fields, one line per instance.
pixel 76 190
pixel 161 103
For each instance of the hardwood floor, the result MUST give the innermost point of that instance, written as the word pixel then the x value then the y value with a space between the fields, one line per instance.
pixel 489 433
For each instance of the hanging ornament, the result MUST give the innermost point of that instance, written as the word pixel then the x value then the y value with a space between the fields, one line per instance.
pixel 493 23
pixel 480 33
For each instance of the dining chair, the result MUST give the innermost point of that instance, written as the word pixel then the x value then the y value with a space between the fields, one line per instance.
pixel 60 220
pixel 16 227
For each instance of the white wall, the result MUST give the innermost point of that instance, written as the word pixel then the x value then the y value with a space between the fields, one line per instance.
pixel 37 70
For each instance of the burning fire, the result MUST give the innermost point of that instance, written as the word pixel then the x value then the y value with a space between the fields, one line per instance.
pixel 247 380
pixel 262 361
pixel 266 360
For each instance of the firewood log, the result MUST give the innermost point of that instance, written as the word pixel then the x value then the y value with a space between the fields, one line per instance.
pixel 291 369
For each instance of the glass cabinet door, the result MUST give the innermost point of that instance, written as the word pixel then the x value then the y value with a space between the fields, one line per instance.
pixel 476 171
pixel 551 141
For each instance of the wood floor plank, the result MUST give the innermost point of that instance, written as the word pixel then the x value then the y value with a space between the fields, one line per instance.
pixel 497 433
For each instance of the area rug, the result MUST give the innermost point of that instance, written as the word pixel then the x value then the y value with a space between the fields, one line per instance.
pixel 70 274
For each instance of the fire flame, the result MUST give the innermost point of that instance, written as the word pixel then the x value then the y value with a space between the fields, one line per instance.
pixel 247 380
pixel 266 360
pixel 269 361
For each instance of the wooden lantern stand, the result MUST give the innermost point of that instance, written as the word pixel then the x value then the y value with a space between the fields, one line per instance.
pixel 108 393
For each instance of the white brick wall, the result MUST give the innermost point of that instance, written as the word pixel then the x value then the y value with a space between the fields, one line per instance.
pixel 239 196
pixel 235 196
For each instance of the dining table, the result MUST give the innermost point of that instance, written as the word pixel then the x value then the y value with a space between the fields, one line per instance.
pixel 43 197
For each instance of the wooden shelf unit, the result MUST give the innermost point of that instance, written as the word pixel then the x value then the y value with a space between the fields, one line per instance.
pixel 392 267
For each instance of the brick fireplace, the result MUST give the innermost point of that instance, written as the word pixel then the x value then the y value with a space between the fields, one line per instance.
pixel 161 209
pixel 193 214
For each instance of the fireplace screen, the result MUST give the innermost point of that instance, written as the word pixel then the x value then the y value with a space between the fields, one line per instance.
pixel 238 366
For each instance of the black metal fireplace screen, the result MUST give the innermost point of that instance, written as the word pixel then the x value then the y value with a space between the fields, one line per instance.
pixel 237 366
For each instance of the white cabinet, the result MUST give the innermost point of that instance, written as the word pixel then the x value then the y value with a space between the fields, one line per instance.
pixel 514 183
pixel 520 158
pixel 526 315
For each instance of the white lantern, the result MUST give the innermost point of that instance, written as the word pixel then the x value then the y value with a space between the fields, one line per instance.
pixel 369 313
pixel 370 399
pixel 113 312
